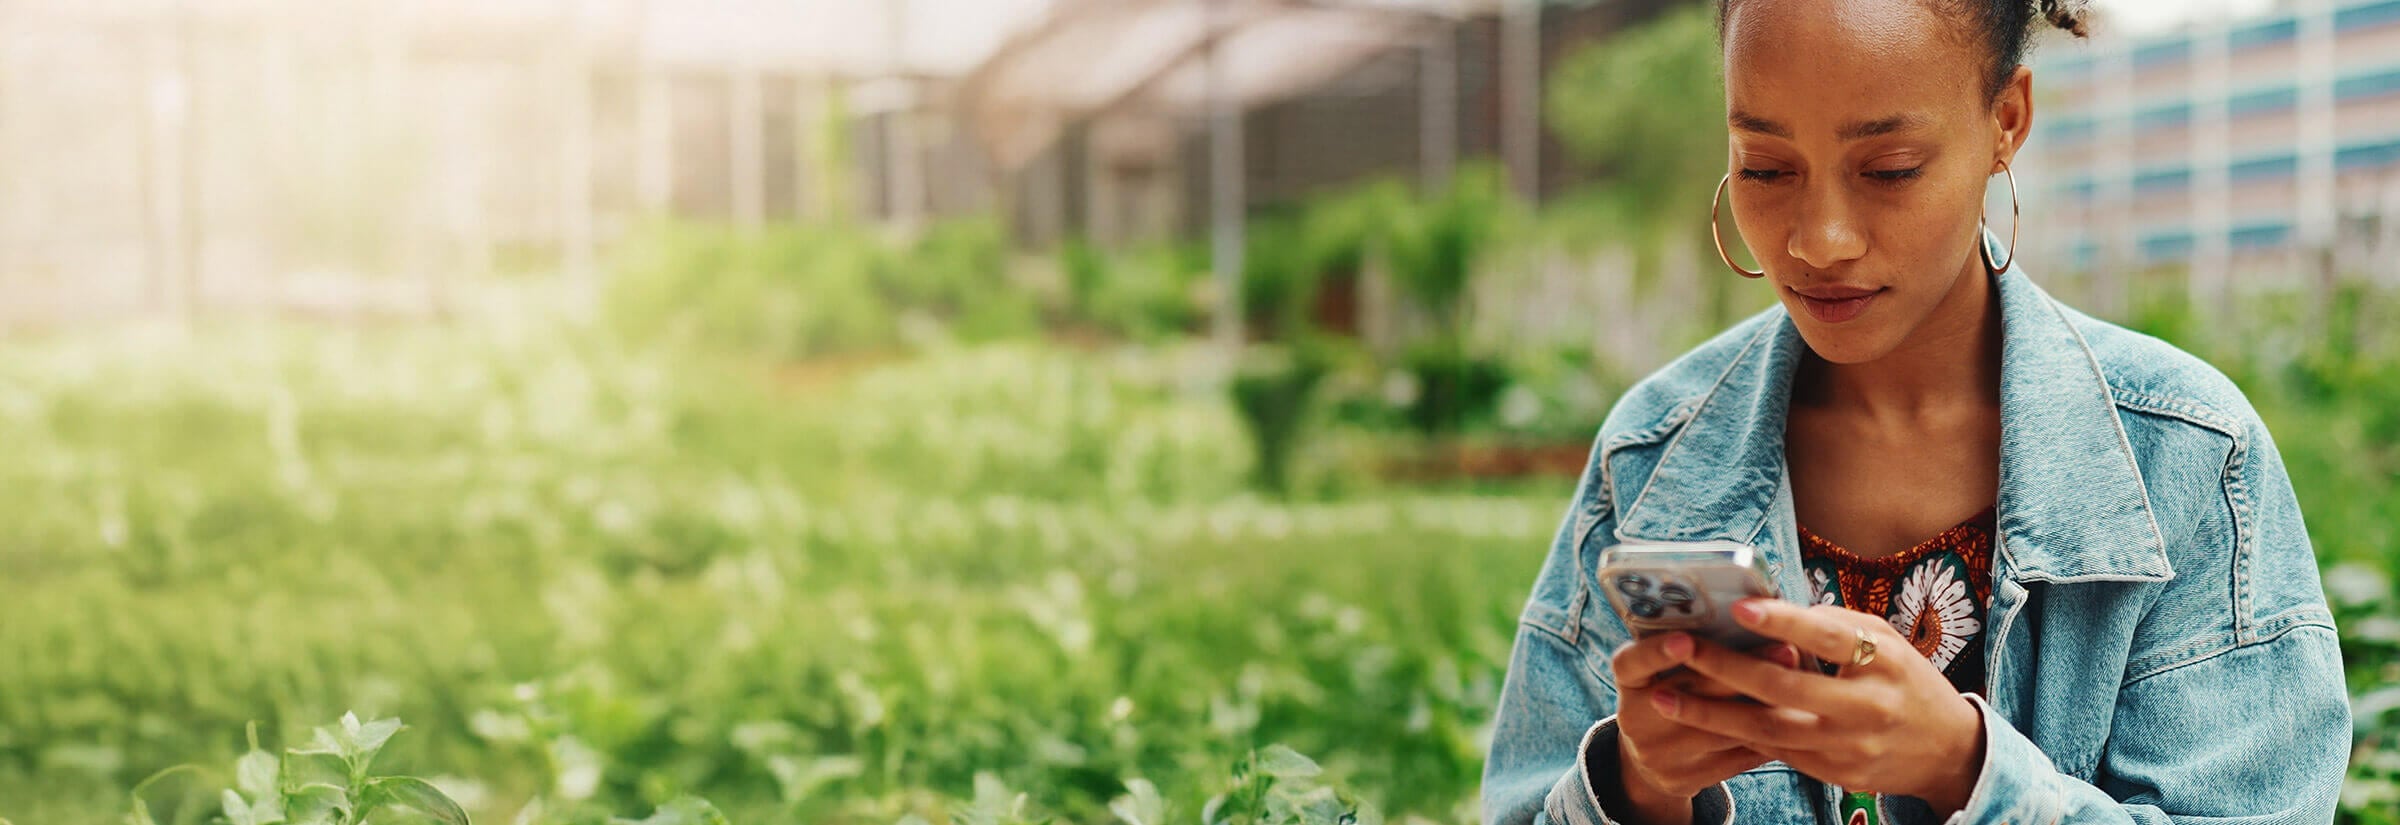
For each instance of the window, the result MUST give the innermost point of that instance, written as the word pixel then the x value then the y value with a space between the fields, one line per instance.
pixel 2162 53
pixel 2252 237
pixel 2162 180
pixel 2263 168
pixel 2365 15
pixel 2071 129
pixel 2264 33
pixel 2366 155
pixel 2162 117
pixel 2262 101
pixel 2375 84
pixel 2165 246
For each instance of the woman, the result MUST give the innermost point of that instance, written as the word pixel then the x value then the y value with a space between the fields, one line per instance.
pixel 2126 625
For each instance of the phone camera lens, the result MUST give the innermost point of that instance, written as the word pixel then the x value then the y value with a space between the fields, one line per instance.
pixel 1633 585
pixel 1647 609
pixel 1676 594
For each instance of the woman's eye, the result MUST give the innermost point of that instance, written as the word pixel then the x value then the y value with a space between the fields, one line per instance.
pixel 1890 175
pixel 1761 174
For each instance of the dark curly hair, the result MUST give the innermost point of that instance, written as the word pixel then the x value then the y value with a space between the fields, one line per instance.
pixel 2005 28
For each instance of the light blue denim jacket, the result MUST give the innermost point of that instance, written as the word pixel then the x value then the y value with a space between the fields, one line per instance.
pixel 2160 648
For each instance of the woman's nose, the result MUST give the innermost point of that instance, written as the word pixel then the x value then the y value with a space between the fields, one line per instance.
pixel 1827 232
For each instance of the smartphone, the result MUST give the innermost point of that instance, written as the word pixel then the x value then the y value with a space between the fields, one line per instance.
pixel 1661 587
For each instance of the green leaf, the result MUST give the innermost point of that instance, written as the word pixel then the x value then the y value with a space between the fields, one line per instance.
pixel 1317 806
pixel 236 811
pixel 1284 763
pixel 140 815
pixel 682 810
pixel 800 778
pixel 415 795
pixel 317 802
pixel 258 774
pixel 361 740
pixel 322 743
pixel 303 768
pixel 1141 805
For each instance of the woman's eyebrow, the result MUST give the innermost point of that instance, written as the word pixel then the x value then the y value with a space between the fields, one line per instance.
pixel 1854 130
pixel 1747 122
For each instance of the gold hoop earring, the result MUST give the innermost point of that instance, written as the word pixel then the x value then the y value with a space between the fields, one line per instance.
pixel 1719 238
pixel 2016 217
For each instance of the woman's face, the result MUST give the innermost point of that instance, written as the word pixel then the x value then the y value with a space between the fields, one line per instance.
pixel 1862 140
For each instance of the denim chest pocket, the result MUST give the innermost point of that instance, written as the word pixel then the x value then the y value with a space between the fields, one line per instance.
pixel 1770 794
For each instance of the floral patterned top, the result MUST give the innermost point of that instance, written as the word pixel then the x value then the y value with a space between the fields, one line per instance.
pixel 1933 593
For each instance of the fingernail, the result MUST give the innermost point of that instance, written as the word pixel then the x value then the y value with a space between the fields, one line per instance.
pixel 1748 612
pixel 1677 646
pixel 1665 700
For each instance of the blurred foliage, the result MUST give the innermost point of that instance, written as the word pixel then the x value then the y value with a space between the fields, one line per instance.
pixel 596 571
pixel 1628 108
pixel 794 291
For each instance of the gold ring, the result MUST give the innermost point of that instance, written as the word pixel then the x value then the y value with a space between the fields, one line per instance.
pixel 1864 651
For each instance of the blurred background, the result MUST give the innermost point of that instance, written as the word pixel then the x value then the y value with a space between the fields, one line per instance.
pixel 978 411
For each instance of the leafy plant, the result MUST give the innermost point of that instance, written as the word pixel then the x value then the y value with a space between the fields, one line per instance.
pixel 1276 785
pixel 326 782
pixel 1272 388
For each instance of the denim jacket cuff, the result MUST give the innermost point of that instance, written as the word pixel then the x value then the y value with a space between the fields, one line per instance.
pixel 1575 800
pixel 2015 779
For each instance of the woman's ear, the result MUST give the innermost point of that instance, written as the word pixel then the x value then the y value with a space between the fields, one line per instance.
pixel 2012 117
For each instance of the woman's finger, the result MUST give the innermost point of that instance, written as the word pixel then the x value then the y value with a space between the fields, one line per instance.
pixel 1776 727
pixel 1692 770
pixel 1636 666
pixel 1783 686
pixel 1828 631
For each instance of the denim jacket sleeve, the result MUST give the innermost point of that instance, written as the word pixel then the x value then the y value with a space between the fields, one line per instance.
pixel 1554 748
pixel 2251 729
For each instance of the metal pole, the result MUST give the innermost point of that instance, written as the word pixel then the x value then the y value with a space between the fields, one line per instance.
pixel 1437 87
pixel 1521 94
pixel 187 158
pixel 575 191
pixel 747 130
pixel 1225 185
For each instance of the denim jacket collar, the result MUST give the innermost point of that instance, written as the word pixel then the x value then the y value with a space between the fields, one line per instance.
pixel 2072 503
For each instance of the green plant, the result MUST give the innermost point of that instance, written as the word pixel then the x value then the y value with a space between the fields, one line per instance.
pixel 326 782
pixel 1276 785
pixel 1453 388
pixel 1436 242
pixel 1272 387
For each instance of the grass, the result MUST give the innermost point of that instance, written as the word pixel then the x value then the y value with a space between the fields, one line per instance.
pixel 988 585
pixel 825 598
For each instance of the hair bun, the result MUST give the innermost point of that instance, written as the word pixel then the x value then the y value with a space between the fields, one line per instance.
pixel 2073 15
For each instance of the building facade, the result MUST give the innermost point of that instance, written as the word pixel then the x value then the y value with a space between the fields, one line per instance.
pixel 2253 152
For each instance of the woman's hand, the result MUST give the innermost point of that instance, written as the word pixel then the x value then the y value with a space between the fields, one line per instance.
pixel 1663 763
pixel 1895 725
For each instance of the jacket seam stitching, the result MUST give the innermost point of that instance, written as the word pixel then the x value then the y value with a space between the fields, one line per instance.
pixel 1713 388
pixel 1602 506
pixel 2188 411
pixel 1531 623
pixel 2295 623
pixel 2245 536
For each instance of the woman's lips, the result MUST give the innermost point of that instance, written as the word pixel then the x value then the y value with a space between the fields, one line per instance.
pixel 1835 304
